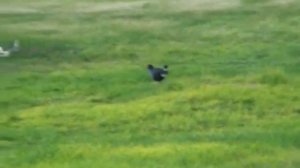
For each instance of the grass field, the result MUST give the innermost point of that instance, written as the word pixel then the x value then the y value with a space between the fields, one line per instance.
pixel 78 95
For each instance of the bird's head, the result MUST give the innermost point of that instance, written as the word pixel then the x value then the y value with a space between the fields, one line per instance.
pixel 150 66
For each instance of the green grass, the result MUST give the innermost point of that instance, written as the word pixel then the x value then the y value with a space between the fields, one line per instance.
pixel 78 93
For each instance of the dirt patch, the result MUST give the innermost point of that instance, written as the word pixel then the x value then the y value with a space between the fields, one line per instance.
pixel 203 5
pixel 56 6
pixel 16 10
pixel 24 7
pixel 148 24
pixel 281 2
pixel 108 6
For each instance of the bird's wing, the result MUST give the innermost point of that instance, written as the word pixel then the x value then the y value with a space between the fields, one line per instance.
pixel 163 75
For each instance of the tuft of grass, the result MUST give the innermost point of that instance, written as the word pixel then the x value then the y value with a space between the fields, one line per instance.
pixel 273 77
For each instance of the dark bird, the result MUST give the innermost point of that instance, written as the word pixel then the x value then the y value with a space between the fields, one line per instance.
pixel 158 74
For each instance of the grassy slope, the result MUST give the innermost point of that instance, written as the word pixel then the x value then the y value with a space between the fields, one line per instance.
pixel 78 95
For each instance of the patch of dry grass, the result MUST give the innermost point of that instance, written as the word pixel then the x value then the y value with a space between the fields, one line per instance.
pixel 202 5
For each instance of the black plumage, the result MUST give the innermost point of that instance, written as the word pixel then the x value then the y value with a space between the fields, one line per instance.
pixel 158 74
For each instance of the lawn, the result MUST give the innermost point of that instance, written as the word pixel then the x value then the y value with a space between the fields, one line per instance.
pixel 77 94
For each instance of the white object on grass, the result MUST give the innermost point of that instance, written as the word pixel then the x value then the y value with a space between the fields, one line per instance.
pixel 7 53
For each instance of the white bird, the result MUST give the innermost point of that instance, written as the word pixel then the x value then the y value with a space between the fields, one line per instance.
pixel 6 53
